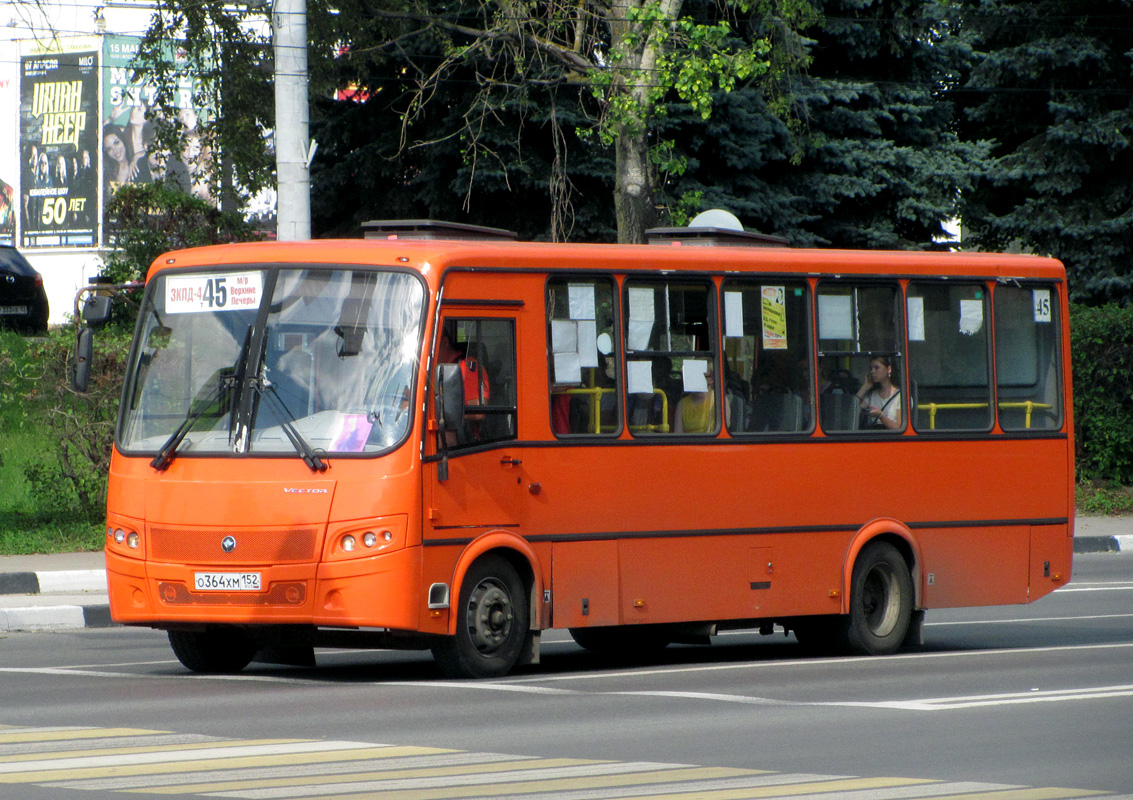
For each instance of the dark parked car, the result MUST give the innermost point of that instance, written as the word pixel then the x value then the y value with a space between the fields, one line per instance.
pixel 23 301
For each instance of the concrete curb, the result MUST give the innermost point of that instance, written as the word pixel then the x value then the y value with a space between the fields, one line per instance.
pixel 62 580
pixel 1103 544
pixel 51 600
pixel 55 618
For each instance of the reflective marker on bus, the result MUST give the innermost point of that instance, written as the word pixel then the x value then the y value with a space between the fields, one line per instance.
pixel 440 438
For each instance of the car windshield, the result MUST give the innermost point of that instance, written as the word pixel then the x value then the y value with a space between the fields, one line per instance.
pixel 274 361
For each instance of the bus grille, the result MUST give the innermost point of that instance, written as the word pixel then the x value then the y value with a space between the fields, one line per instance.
pixel 253 546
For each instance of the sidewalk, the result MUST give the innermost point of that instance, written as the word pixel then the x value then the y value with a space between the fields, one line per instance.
pixel 68 591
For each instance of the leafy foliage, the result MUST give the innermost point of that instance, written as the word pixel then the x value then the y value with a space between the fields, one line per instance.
pixel 1051 85
pixel 860 151
pixel 217 48
pixel 66 477
pixel 149 219
pixel 1101 339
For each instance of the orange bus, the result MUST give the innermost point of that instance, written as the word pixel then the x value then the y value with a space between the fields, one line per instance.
pixel 437 437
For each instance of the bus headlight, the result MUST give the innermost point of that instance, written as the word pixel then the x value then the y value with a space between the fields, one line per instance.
pixel 362 538
pixel 123 538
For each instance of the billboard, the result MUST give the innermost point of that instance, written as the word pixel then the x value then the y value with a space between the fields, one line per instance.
pixel 130 112
pixel 9 148
pixel 58 197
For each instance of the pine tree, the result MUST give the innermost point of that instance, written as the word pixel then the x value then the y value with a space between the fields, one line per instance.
pixel 1053 86
pixel 866 156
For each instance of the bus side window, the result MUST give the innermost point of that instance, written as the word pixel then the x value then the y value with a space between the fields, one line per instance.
pixel 767 372
pixel 949 369
pixel 1028 393
pixel 858 327
pixel 670 343
pixel 582 363
pixel 485 351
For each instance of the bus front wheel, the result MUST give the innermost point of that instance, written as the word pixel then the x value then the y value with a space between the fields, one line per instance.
pixel 881 601
pixel 216 650
pixel 491 623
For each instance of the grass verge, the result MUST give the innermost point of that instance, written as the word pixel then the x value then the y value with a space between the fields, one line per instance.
pixel 1104 500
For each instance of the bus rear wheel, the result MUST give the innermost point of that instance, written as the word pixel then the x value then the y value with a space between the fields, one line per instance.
pixel 881 601
pixel 491 623
pixel 215 650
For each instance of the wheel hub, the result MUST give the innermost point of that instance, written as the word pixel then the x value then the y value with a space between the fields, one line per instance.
pixel 490 616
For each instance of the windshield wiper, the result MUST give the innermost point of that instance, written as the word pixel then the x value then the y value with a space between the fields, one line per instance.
pixel 266 389
pixel 168 450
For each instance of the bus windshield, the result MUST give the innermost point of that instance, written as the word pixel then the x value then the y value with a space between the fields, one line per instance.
pixel 265 360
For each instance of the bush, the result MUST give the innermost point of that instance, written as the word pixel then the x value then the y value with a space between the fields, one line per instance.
pixel 1101 341
pixel 65 466
pixel 148 219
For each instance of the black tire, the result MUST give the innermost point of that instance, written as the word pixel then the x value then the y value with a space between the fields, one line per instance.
pixel 621 640
pixel 214 651
pixel 491 623
pixel 881 602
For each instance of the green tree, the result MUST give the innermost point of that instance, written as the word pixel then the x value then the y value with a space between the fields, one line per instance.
pixel 623 62
pixel 221 50
pixel 148 219
pixel 867 155
pixel 1052 86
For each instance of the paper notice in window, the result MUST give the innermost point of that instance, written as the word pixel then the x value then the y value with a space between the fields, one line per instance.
pixel 734 314
pixel 564 336
pixel 835 316
pixel 641 304
pixel 581 296
pixel 567 369
pixel 587 343
pixel 694 372
pixel 971 317
pixel 916 319
pixel 638 333
pixel 774 309
pixel 639 377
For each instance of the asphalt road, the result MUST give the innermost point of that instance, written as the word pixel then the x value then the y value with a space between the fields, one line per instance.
pixel 1002 703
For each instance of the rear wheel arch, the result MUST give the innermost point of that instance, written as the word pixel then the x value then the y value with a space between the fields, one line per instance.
pixel 895 533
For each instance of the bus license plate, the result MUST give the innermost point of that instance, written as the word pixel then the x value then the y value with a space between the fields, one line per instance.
pixel 226 581
pixel 13 310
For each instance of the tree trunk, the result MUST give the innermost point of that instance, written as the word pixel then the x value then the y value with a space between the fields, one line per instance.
pixel 633 187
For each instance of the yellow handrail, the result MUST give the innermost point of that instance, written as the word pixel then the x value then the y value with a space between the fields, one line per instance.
pixel 595 394
pixel 932 408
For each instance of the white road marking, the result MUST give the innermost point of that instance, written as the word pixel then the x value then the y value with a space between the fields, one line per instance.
pixel 202 754
pixel 1017 620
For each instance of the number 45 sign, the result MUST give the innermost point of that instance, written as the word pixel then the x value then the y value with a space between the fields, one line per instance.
pixel 230 291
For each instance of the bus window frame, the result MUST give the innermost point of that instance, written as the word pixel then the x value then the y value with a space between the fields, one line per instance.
pixel 1057 302
pixel 565 277
pixel 989 347
pixel 792 280
pixel 900 330
pixel 700 279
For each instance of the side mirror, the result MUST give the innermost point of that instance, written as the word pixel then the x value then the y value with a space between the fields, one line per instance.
pixel 96 310
pixel 449 397
pixel 81 360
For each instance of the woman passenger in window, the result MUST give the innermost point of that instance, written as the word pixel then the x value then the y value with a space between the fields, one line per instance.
pixel 879 396
pixel 696 412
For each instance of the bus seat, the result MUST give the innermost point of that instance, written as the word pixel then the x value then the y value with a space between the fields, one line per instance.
pixel 840 412
pixel 777 412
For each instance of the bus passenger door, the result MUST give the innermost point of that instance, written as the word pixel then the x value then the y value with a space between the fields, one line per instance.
pixel 485 477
